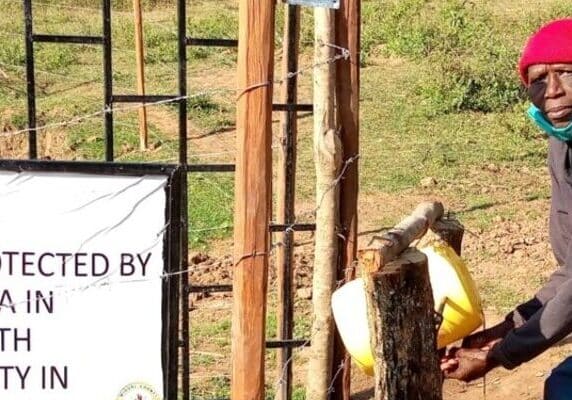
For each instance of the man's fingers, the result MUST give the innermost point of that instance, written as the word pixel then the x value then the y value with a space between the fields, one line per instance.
pixel 459 373
pixel 454 374
pixel 468 353
pixel 449 365
pixel 452 352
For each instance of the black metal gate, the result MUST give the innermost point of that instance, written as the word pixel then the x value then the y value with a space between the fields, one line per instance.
pixel 110 98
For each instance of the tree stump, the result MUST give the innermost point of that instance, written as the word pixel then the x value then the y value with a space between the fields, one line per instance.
pixel 402 326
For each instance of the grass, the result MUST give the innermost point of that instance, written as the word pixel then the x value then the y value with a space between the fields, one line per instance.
pixel 499 295
pixel 69 83
pixel 440 98
pixel 210 347
pixel 210 207
pixel 216 388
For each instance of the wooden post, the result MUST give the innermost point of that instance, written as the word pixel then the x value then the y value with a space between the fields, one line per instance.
pixel 348 29
pixel 285 205
pixel 327 159
pixel 402 323
pixel 140 58
pixel 451 231
pixel 446 229
pixel 253 186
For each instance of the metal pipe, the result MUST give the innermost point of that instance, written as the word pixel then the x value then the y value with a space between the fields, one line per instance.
pixel 292 227
pixel 285 258
pixel 293 107
pixel 209 288
pixel 68 39
pixel 287 344
pixel 108 80
pixel 211 42
pixel 182 50
pixel 30 81
pixel 210 168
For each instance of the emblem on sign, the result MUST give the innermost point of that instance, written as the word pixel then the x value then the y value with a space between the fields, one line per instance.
pixel 138 391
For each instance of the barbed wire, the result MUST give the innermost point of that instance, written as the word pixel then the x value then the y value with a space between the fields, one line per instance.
pixel 166 275
pixel 107 110
pixel 104 283
pixel 290 228
pixel 281 379
pixel 275 245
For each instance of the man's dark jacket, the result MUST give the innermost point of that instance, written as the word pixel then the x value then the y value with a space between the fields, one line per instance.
pixel 547 318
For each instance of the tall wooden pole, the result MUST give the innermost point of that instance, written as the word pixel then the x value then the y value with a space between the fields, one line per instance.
pixel 327 159
pixel 348 29
pixel 140 59
pixel 253 186
pixel 286 185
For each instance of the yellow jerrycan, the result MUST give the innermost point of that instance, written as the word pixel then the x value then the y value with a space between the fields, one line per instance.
pixel 452 286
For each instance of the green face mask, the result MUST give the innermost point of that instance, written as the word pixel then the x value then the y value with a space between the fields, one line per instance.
pixel 564 134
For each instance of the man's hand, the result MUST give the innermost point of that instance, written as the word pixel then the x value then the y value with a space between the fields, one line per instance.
pixel 489 337
pixel 467 364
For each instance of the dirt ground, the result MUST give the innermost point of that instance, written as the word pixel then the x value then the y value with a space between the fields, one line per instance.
pixel 524 383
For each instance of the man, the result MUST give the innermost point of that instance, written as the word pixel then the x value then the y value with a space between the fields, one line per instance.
pixel 546 70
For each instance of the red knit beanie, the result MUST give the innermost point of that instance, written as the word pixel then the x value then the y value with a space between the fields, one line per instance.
pixel 551 44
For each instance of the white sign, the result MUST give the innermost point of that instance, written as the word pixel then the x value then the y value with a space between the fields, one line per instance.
pixel 316 3
pixel 81 259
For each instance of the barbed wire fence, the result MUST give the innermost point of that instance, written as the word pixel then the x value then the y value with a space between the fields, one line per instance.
pixel 206 144
pixel 106 282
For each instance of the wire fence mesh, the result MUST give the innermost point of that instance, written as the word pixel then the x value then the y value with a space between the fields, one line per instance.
pixel 70 105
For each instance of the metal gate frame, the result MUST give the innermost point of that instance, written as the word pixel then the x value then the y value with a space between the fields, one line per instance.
pixel 109 99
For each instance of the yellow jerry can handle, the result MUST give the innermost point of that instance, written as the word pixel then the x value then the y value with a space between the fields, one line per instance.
pixel 452 287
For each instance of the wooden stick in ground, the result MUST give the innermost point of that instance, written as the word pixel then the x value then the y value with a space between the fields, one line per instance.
pixel 392 243
pixel 253 190
pixel 348 27
pixel 140 59
pixel 286 192
pixel 327 159
pixel 402 326
pixel 451 231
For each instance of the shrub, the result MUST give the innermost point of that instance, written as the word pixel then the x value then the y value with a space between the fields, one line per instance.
pixel 471 52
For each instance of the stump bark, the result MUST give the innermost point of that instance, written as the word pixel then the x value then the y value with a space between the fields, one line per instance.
pixel 402 326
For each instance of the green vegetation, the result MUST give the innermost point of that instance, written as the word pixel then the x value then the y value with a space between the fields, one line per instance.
pixel 215 388
pixel 471 49
pixel 453 100
pixel 211 207
pixel 440 98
